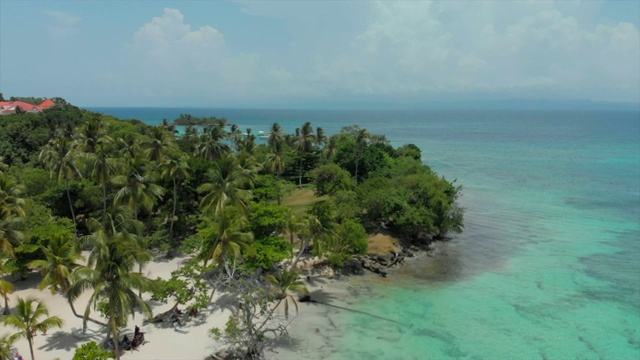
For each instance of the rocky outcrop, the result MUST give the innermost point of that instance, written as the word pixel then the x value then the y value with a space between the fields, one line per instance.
pixel 380 263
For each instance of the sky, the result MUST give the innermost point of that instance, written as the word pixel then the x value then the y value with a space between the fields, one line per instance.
pixel 282 54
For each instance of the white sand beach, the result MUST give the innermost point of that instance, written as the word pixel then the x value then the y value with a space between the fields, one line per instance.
pixel 163 342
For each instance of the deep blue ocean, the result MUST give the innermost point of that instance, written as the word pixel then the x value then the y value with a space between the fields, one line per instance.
pixel 548 266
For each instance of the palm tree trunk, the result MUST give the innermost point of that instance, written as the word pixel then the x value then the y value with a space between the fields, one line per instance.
pixel 302 249
pixel 173 213
pixel 30 339
pixel 6 305
pixel 300 174
pixel 75 313
pixel 73 215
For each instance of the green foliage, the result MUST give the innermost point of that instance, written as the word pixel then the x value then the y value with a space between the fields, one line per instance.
pixel 267 219
pixel 188 119
pixel 92 351
pixel 268 251
pixel 185 286
pixel 330 178
pixel 409 150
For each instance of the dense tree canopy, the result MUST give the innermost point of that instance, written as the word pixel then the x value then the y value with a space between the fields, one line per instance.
pixel 70 178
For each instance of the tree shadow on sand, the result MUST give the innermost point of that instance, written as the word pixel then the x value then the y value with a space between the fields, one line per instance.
pixel 61 340
pixel 321 297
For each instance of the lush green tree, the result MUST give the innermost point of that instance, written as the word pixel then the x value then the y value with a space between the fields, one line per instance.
pixel 159 145
pixel 11 213
pixel 267 219
pixel 276 135
pixel 6 344
pixel 92 351
pixel 28 320
pixel 304 144
pixel 409 150
pixel 225 239
pixel 212 146
pixel 228 186
pixel 6 288
pixel 92 134
pixel 61 258
pixel 175 169
pixel 137 187
pixel 62 160
pixel 110 277
pixel 350 238
pixel 330 178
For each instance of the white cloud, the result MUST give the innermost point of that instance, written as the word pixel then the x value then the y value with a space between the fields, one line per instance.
pixel 62 23
pixel 397 49
pixel 509 50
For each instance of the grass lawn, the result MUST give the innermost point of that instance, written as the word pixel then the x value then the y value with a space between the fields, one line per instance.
pixel 299 199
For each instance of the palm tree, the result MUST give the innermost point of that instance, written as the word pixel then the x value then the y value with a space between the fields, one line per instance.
pixel 137 187
pixel 6 288
pixel 226 238
pixel 177 170
pixel 248 144
pixel 284 282
pixel 211 146
pixel 60 259
pixel 108 273
pixel 275 159
pixel 62 160
pixel 321 137
pixel 228 180
pixel 6 344
pixel 11 213
pixel 27 320
pixel 156 148
pixel 332 147
pixel 103 168
pixel 362 137
pixel 276 136
pixel 92 134
pixel 304 144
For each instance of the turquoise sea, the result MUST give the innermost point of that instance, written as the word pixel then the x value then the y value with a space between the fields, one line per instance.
pixel 548 266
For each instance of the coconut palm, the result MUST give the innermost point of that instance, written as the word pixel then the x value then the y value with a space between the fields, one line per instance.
pixel 160 143
pixel 275 159
pixel 137 187
pixel 287 281
pixel 103 167
pixel 212 146
pixel 27 319
pixel 109 275
pixel 177 170
pixel 321 137
pixel 227 187
pixel 276 135
pixel 11 213
pixel 6 344
pixel 362 137
pixel 6 288
pixel 304 144
pixel 92 134
pixel 63 161
pixel 61 257
pixel 226 238
pixel 332 147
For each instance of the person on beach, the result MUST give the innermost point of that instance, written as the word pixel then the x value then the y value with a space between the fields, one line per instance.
pixel 136 331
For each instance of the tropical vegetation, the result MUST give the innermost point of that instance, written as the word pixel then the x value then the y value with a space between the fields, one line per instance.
pixel 72 180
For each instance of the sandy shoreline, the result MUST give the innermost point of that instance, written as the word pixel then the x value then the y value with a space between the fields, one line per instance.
pixel 309 331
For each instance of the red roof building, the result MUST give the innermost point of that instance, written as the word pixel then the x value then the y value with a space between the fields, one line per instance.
pixel 46 104
pixel 9 107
